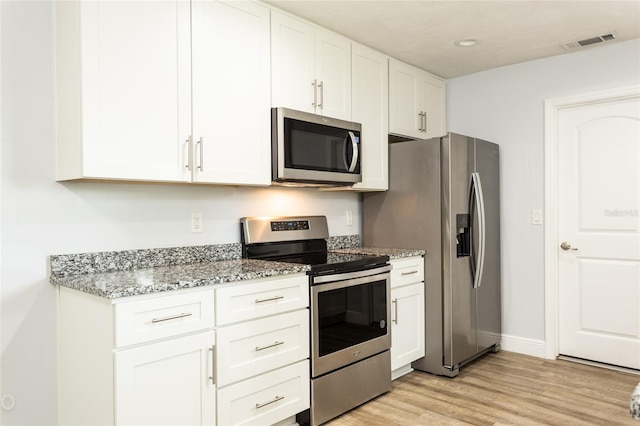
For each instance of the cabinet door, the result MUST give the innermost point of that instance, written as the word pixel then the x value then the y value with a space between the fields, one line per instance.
pixel 123 89
pixel 407 324
pixel 405 101
pixel 370 104
pixel 333 74
pixel 231 91
pixel 292 63
pixel 433 101
pixel 166 383
pixel 416 102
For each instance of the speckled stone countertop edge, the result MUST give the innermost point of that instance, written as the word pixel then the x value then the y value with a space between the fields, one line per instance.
pixel 393 253
pixel 118 284
pixel 114 275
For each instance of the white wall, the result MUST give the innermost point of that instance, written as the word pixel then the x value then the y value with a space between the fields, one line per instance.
pixel 41 217
pixel 506 105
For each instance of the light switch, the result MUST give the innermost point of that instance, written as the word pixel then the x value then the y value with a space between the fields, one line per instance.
pixel 536 217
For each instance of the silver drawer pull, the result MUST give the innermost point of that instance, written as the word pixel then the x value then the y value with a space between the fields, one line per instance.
pixel 409 273
pixel 260 348
pixel 172 317
pixel 276 399
pixel 270 299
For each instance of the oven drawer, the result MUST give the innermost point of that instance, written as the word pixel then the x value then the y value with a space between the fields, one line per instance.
pixel 266 399
pixel 407 271
pixel 254 347
pixel 164 316
pixel 266 297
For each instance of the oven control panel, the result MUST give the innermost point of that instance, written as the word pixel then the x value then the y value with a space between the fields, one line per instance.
pixel 290 225
pixel 261 230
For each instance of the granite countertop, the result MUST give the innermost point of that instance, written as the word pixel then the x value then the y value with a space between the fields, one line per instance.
pixel 393 253
pixel 133 282
pixel 134 272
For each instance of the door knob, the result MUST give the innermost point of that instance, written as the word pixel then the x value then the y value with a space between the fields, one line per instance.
pixel 566 246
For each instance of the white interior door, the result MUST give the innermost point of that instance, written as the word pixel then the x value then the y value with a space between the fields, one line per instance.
pixel 599 231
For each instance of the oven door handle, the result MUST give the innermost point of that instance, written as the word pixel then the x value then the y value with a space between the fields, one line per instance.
pixel 322 279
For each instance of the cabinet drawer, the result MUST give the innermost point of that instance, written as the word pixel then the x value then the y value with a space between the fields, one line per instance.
pixel 249 301
pixel 407 271
pixel 266 399
pixel 164 316
pixel 254 347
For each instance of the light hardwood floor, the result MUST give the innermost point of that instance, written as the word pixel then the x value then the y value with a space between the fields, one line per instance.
pixel 504 389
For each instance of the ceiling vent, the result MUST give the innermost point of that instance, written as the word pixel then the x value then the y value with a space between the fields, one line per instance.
pixel 589 41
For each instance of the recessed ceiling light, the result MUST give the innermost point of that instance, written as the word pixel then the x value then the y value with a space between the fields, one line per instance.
pixel 467 42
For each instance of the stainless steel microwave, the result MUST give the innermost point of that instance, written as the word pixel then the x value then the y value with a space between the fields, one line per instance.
pixel 309 149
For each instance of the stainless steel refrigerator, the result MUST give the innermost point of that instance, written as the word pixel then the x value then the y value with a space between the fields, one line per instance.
pixel 444 198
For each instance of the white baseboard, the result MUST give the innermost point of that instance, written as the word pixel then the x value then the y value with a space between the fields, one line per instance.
pixel 523 345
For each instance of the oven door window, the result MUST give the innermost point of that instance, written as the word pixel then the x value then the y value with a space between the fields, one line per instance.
pixel 351 315
pixel 310 146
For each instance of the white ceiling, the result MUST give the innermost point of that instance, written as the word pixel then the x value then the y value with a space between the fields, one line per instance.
pixel 423 32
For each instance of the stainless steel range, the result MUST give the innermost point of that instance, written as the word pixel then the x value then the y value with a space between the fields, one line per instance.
pixel 350 310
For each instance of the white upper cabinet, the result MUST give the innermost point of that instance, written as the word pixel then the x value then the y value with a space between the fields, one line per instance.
pixel 124 101
pixel 370 84
pixel 416 102
pixel 231 93
pixel 370 107
pixel 311 68
pixel 122 90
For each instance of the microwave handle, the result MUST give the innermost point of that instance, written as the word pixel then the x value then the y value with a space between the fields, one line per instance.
pixel 354 146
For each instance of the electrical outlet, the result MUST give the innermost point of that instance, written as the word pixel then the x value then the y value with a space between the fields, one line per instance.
pixel 349 218
pixel 196 222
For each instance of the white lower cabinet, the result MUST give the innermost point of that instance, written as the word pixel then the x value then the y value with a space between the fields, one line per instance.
pixel 141 360
pixel 158 359
pixel 266 399
pixel 167 383
pixel 407 314
pixel 262 351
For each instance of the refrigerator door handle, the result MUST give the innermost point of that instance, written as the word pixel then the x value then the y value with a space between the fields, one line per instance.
pixel 476 199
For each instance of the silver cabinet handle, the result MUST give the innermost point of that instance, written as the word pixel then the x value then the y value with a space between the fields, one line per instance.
pixel 409 273
pixel 276 399
pixel 321 87
pixel 172 317
pixel 274 344
pixel 395 311
pixel 189 152
pixel 423 119
pixel 315 93
pixel 201 162
pixel 269 299
pixel 566 246
pixel 213 366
